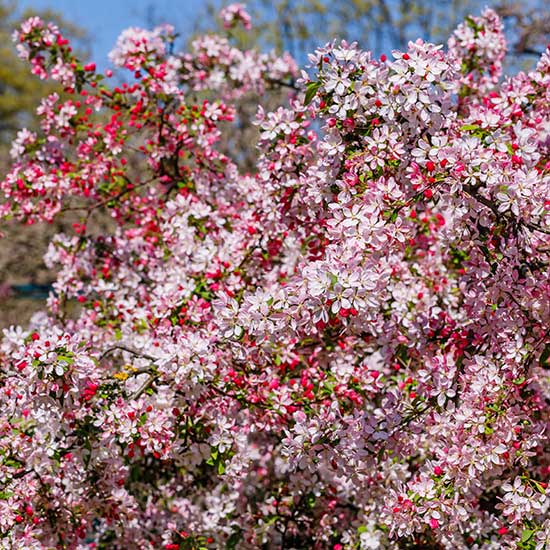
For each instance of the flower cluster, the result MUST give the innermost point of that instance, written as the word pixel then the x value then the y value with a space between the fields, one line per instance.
pixel 235 14
pixel 347 349
pixel 478 46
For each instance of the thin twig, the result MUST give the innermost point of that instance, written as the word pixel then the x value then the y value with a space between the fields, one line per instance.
pixel 129 350
pixel 145 386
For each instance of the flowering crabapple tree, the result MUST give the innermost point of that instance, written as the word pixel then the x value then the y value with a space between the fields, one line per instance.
pixel 346 349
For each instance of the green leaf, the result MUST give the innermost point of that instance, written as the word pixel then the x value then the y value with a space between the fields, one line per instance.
pixel 12 463
pixel 233 540
pixel 538 486
pixel 311 90
pixel 213 456
pixel 69 359
pixel 469 127
pixel 527 535
pixel 310 500
pixel 545 355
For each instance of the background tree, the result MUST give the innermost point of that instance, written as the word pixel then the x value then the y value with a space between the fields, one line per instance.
pixel 22 248
pixel 529 23
pixel 299 26
pixel 20 93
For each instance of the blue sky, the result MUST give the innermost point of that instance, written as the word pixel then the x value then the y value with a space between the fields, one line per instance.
pixel 105 19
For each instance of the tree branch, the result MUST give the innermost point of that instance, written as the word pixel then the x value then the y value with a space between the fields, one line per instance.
pixel 134 352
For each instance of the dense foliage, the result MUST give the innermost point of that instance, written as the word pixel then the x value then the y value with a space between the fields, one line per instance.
pixel 346 349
